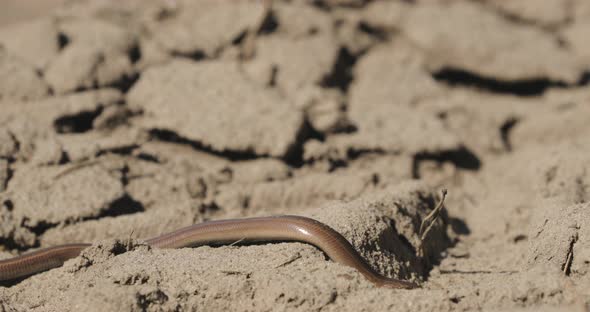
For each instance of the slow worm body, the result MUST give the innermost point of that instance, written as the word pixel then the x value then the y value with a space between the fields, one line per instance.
pixel 264 229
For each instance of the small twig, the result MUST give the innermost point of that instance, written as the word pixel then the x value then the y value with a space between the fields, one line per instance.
pixel 568 263
pixel 75 167
pixel 293 259
pixel 570 254
pixel 131 234
pixel 237 242
pixel 431 218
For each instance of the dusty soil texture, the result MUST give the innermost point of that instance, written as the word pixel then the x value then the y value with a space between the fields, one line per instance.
pixel 123 120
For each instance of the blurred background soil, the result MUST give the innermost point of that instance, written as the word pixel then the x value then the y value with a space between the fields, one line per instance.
pixel 14 11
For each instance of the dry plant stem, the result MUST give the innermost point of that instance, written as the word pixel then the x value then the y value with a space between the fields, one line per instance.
pixel 264 229
pixel 78 166
pixel 570 254
pixel 429 221
pixel 568 263
pixel 431 218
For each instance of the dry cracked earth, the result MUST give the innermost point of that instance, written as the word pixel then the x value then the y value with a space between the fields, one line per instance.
pixel 123 120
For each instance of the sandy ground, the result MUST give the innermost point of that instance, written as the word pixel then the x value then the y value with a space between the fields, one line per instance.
pixel 122 120
pixel 17 11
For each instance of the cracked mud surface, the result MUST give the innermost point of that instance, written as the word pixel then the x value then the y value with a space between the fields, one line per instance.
pixel 124 120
